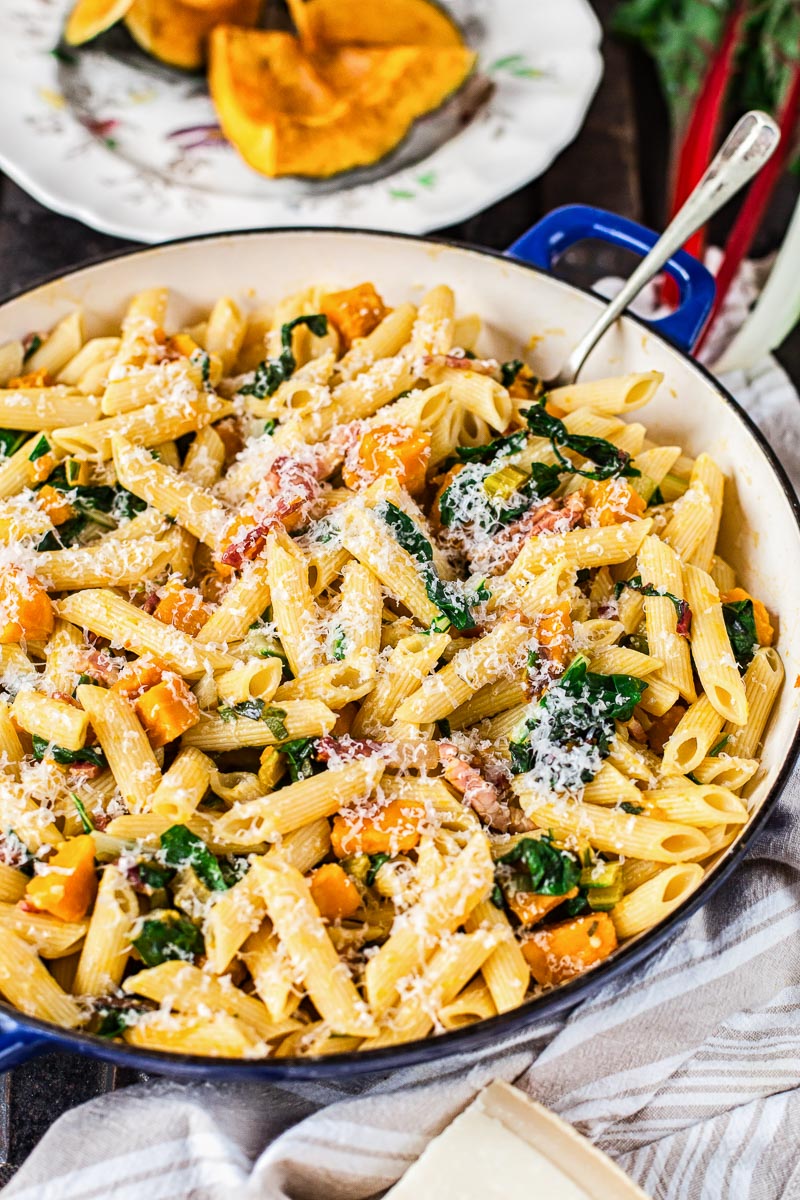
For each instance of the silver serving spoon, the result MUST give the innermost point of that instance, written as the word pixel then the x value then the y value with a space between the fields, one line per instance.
pixel 748 146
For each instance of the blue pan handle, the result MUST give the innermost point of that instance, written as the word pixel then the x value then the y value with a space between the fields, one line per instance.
pixel 563 227
pixel 17 1045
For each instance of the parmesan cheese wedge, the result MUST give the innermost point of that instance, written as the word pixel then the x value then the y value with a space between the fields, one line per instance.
pixel 505 1144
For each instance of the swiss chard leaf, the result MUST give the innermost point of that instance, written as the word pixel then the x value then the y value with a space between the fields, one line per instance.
pixel 300 753
pixel 740 623
pixel 448 598
pixel 162 939
pixel 509 371
pixel 33 344
pixel 272 372
pixel 536 865
pixel 67 534
pixel 338 644
pixel 608 459
pixel 85 820
pixel 153 875
pixel 579 711
pixel 41 447
pixel 97 500
pixel 510 444
pixel 182 848
pixel 458 498
pixel 114 1014
pixel 87 754
pixel 646 589
pixel 376 861
pixel 10 441
pixel 257 710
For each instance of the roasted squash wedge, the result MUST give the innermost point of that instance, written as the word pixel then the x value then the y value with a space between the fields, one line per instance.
pixel 402 22
pixel 90 18
pixel 289 113
pixel 174 31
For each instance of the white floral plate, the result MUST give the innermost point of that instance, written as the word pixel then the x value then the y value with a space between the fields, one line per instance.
pixel 132 148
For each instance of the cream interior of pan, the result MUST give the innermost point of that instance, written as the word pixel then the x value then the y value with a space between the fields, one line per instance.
pixel 522 310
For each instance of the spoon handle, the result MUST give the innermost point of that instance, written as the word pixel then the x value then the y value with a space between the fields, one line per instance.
pixel 744 152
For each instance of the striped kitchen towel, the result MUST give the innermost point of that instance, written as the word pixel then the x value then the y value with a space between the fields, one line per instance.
pixel 685 1070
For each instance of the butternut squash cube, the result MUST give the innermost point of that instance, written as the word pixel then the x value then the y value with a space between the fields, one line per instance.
pixel 167 710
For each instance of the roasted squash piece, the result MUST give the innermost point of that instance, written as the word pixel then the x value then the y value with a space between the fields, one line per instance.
pixel 25 608
pixel 183 608
pixel 334 892
pixel 566 949
pixel 292 114
pixel 394 829
pixel 89 18
pixel 68 885
pixel 402 22
pixel 391 451
pixel 138 676
pixel 355 312
pixel 167 710
pixel 176 31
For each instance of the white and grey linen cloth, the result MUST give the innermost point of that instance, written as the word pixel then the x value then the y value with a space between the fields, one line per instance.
pixel 686 1070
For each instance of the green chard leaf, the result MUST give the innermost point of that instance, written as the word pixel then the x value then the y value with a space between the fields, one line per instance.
pixel 32 346
pixel 457 502
pixel 682 608
pixel 448 597
pixel 300 753
pixel 272 372
pixel 510 370
pixel 608 460
pixel 338 644
pixel 182 848
pixel 168 937
pixel 85 819
pixel 376 861
pixel 740 623
pixel 87 754
pixel 570 733
pixel 41 447
pixel 257 710
pixel 10 441
pixel 536 865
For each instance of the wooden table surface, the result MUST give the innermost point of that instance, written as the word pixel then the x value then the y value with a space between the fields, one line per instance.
pixel 618 162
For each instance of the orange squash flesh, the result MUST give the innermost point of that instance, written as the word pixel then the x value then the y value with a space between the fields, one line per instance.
pixel 614 502
pixel 402 22
pixel 25 608
pixel 355 312
pixel 182 608
pixel 167 710
pixel 138 676
pixel 394 829
pixel 89 18
pixel 389 451
pixel 566 949
pixel 292 114
pixel 334 892
pixel 177 31
pixel 531 907
pixel 69 885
